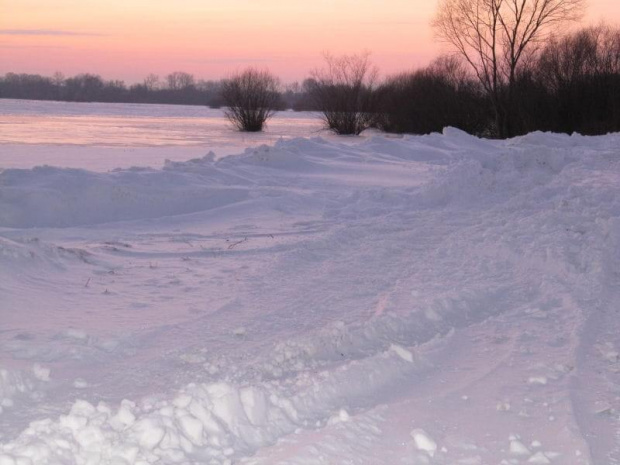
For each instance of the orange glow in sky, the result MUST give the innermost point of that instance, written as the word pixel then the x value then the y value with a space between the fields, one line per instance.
pixel 128 39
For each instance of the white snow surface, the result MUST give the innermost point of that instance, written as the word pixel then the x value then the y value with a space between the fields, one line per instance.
pixel 416 300
pixel 124 135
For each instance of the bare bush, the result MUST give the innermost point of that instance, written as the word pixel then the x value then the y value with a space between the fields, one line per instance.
pixel 251 98
pixel 432 98
pixel 343 92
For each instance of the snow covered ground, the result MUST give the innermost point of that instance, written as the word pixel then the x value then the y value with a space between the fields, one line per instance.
pixel 117 135
pixel 418 300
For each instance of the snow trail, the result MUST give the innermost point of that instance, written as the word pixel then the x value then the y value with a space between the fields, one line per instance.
pixel 438 299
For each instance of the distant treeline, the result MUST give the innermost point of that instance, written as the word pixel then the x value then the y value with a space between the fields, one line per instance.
pixel 179 88
pixel 569 84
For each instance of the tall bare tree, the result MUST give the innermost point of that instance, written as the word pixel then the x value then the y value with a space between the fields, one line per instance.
pixel 496 36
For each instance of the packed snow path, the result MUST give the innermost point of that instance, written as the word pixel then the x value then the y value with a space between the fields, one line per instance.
pixel 418 300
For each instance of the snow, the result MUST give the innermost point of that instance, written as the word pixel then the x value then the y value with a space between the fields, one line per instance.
pixel 517 447
pixel 41 372
pixel 402 352
pixel 415 300
pixel 424 442
pixel 124 135
pixel 539 458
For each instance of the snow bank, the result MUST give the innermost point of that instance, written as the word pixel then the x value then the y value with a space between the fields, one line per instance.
pixel 203 423
pixel 59 197
pixel 35 253
pixel 56 197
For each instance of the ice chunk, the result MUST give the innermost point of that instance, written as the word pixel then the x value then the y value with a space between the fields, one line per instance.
pixel 125 416
pixel 341 417
pixel 149 433
pixel 192 429
pixel 424 442
pixel 402 352
pixel 542 380
pixel 539 458
pixel 80 383
pixel 82 407
pixel 518 448
pixel 40 372
pixel 254 404
pixel 90 438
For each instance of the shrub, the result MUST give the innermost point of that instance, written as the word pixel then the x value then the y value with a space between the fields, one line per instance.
pixel 430 99
pixel 251 98
pixel 343 92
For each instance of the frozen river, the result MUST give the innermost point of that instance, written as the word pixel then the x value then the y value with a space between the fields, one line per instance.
pixel 36 133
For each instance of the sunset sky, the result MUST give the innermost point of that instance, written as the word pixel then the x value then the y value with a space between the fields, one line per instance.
pixel 127 39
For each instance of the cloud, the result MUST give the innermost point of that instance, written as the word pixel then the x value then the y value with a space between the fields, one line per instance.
pixel 45 32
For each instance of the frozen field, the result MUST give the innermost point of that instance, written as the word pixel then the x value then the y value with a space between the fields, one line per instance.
pixel 34 133
pixel 400 301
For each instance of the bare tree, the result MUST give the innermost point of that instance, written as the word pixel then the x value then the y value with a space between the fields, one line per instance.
pixel 582 73
pixel 151 82
pixel 343 92
pixel 251 98
pixel 58 79
pixel 496 36
pixel 180 80
pixel 452 69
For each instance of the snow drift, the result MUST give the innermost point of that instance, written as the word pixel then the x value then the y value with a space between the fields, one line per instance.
pixel 56 197
pixel 439 300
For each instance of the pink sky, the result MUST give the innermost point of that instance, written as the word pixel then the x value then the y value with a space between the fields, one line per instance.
pixel 127 39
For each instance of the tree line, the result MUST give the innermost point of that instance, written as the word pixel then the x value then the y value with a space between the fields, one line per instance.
pixel 569 84
pixel 178 88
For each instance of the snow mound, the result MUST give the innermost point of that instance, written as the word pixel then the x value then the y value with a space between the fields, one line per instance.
pixel 55 197
pixel 204 423
pixel 34 253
